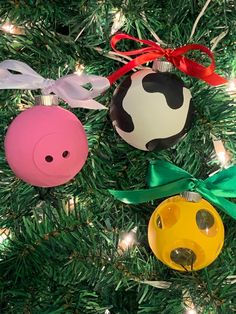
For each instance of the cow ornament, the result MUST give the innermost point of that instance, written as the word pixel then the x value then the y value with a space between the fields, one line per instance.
pixel 152 110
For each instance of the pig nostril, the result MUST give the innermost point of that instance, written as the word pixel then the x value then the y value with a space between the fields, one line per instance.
pixel 65 154
pixel 49 158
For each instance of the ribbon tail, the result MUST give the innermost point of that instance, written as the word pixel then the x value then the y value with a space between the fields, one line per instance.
pixel 197 70
pixel 86 104
pixel 215 80
pixel 69 88
pixel 146 195
pixel 100 85
pixel 226 206
pixel 76 103
pixel 223 183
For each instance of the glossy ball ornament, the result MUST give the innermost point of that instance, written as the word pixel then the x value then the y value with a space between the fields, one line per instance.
pixel 151 110
pixel 185 235
pixel 46 145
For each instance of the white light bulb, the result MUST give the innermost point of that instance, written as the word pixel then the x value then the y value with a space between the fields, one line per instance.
pixel 8 27
pixel 188 303
pixel 221 153
pixel 191 311
pixel 127 240
pixel 118 22
pixel 2 238
pixel 222 157
pixel 231 86
pixel 79 69
pixel 4 234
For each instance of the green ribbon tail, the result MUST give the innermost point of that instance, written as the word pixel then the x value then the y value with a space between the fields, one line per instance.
pixel 146 195
pixel 220 202
pixel 223 183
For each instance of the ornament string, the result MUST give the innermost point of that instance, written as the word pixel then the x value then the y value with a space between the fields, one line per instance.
pixel 69 88
pixel 174 56
pixel 166 179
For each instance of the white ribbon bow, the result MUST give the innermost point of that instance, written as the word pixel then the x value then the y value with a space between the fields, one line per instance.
pixel 69 87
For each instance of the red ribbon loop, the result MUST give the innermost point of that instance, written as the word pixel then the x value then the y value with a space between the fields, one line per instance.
pixel 175 56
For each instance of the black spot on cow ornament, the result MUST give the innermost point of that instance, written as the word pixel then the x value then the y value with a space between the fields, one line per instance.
pixel 152 110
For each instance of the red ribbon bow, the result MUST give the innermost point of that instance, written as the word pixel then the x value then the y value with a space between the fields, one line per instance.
pixel 175 56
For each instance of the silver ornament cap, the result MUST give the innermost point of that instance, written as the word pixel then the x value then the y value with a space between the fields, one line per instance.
pixel 46 100
pixel 191 196
pixel 162 66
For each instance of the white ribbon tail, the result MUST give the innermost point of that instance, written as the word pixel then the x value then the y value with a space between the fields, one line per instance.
pixel 70 90
pixel 87 104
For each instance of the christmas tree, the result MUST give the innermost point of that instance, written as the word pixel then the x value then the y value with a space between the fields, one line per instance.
pixel 74 248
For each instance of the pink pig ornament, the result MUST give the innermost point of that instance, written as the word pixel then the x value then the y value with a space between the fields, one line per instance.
pixel 46 145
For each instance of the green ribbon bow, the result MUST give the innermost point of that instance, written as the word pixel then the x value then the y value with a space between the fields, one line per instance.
pixel 166 179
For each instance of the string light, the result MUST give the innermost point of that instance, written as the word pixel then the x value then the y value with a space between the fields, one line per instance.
pixel 10 28
pixel 79 68
pixel 118 22
pixel 70 204
pixel 4 233
pixel 188 303
pixel 191 311
pixel 231 87
pixel 23 107
pixel 221 152
pixel 127 240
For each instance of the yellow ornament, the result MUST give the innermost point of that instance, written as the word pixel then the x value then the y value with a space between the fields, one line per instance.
pixel 185 235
